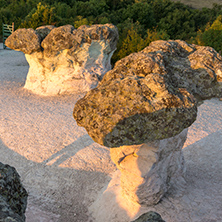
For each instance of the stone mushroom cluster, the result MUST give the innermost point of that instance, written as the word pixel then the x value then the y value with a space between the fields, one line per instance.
pixel 142 108
pixel 65 59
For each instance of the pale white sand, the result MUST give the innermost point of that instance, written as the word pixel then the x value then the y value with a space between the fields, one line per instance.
pixel 65 172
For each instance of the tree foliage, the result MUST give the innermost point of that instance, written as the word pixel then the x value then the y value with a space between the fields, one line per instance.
pixel 42 15
pixel 212 35
pixel 139 21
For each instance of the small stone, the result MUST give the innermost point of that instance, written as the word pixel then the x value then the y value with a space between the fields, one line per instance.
pixel 149 217
pixel 13 196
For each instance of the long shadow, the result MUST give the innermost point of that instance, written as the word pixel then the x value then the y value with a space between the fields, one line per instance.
pixel 65 192
pixel 69 150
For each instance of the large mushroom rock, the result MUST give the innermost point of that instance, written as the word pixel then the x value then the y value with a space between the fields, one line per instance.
pixel 142 109
pixel 65 59
pixel 13 196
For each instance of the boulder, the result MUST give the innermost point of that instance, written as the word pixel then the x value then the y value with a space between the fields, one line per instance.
pixel 13 196
pixel 65 59
pixel 149 217
pixel 142 108
pixel 25 40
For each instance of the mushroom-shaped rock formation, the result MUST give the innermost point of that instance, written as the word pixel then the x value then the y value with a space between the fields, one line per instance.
pixel 13 197
pixel 142 109
pixel 65 59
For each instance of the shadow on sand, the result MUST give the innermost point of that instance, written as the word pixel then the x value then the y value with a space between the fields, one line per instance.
pixel 63 194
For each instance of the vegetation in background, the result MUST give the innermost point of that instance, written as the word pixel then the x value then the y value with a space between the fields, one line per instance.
pixel 212 35
pixel 139 21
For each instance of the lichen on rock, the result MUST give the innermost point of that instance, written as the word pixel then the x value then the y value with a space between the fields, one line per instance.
pixel 134 110
pixel 13 196
pixel 150 95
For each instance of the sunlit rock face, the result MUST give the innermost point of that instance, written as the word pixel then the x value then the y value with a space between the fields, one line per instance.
pixel 142 108
pixel 148 169
pixel 65 59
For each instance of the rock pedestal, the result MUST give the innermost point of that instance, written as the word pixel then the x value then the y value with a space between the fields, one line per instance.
pixel 147 169
pixel 65 59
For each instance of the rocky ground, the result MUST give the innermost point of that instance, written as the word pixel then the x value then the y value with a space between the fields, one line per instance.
pixel 65 172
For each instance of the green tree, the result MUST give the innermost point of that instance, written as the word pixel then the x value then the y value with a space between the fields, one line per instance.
pixel 179 24
pixel 79 20
pixel 153 35
pixel 42 15
pixel 132 43
pixel 135 43
pixel 212 35
pixel 141 12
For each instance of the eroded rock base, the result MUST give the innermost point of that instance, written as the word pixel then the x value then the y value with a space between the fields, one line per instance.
pixel 64 73
pixel 147 169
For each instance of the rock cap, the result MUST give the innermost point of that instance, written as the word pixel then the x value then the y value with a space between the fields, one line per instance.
pixel 150 95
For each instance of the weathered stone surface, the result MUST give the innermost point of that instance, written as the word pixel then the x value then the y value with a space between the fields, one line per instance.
pixel 143 106
pixel 196 68
pixel 58 39
pixel 13 197
pixel 66 60
pixel 149 217
pixel 134 110
pixel 147 169
pixel 149 95
pixel 25 40
pixel 43 31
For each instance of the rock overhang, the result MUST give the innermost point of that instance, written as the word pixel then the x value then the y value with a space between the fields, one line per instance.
pixel 135 110
pixel 150 95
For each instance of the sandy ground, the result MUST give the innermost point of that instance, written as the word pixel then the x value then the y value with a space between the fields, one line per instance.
pixel 66 173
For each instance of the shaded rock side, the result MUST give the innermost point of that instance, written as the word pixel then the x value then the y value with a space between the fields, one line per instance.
pixel 149 217
pixel 65 59
pixel 13 196
pixel 150 95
